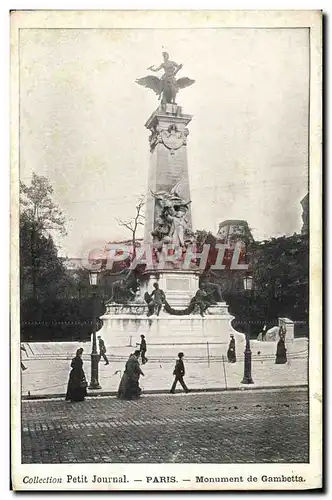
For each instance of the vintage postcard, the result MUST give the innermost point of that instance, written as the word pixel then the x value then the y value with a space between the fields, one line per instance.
pixel 166 274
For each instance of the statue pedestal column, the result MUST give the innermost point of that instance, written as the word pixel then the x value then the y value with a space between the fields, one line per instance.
pixel 168 170
pixel 168 176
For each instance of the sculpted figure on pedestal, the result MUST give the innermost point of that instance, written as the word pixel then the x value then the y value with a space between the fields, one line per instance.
pixel 172 225
pixel 213 290
pixel 167 86
pixel 155 300
pixel 124 289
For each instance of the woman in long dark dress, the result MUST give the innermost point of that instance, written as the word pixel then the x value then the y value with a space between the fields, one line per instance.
pixel 281 354
pixel 231 354
pixel 76 390
pixel 129 385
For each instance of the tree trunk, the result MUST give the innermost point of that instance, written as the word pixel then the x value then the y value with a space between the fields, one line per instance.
pixel 33 262
pixel 134 246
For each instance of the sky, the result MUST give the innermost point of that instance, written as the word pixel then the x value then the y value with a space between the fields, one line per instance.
pixel 82 124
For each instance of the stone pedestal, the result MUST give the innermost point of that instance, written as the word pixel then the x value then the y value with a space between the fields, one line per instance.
pixel 123 325
pixel 288 325
pixel 179 286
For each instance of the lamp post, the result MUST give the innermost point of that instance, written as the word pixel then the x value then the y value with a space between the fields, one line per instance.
pixel 94 383
pixel 247 379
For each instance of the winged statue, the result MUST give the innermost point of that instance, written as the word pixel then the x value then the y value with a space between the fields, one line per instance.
pixel 167 86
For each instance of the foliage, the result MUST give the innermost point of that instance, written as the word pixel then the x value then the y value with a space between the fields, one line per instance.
pixel 281 272
pixel 59 319
pixel 42 273
pixel 280 268
pixel 37 205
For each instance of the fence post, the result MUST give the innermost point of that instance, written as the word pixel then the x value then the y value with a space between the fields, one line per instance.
pixel 208 353
pixel 223 363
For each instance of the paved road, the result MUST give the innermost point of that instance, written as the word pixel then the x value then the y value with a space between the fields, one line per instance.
pixel 232 427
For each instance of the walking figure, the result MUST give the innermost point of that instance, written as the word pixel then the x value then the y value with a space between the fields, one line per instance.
pixel 142 349
pixel 179 373
pixel 129 385
pixel 77 384
pixel 102 350
pixel 281 354
pixel 231 354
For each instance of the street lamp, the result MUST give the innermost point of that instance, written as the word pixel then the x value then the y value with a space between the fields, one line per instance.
pixel 94 384
pixel 248 284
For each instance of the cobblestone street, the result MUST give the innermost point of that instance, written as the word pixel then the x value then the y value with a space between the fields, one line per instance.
pixel 232 427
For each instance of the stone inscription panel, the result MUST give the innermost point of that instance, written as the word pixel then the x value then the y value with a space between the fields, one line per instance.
pixel 177 284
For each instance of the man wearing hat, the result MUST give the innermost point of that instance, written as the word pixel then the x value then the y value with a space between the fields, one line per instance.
pixel 179 373
pixel 102 350
pixel 142 349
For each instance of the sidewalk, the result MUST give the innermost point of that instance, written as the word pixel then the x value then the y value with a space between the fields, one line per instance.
pixel 47 375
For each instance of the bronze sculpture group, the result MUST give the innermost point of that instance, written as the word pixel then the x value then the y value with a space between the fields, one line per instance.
pixel 172 225
pixel 123 293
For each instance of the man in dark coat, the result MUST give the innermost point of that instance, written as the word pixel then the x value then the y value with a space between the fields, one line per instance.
pixel 142 349
pixel 179 373
pixel 102 350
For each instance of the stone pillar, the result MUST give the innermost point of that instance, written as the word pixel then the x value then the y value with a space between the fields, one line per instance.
pixel 168 161
pixel 168 173
pixel 288 326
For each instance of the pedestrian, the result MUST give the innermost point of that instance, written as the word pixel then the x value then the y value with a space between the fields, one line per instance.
pixel 179 373
pixel 102 350
pixel 281 354
pixel 77 384
pixel 129 385
pixel 142 349
pixel 231 354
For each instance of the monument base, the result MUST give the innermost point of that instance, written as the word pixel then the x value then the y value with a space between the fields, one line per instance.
pixel 123 326
pixel 179 286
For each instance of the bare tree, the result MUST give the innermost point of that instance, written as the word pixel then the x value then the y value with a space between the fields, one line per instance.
pixel 132 224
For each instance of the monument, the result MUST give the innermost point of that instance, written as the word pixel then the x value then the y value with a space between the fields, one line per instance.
pixel 168 213
pixel 171 306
